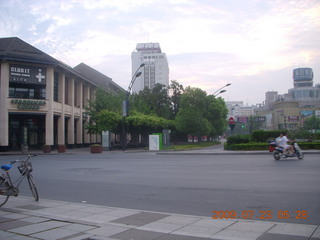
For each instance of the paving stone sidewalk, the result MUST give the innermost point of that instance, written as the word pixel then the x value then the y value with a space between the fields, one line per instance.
pixel 23 218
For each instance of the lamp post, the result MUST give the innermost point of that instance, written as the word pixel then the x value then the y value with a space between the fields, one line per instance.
pixel 125 106
pixel 220 89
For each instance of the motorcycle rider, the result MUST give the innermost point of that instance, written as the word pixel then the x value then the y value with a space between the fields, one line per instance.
pixel 284 144
pixel 278 139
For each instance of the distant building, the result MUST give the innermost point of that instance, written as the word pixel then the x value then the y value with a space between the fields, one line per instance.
pixel 271 97
pixel 238 109
pixel 304 92
pixel 289 110
pixel 156 69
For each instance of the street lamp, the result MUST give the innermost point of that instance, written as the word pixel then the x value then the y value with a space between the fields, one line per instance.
pixel 220 89
pixel 233 107
pixel 125 106
pixel 135 75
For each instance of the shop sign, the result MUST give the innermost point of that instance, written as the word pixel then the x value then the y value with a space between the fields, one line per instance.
pixel 259 119
pixel 28 104
pixel 293 118
pixel 27 74
pixel 242 119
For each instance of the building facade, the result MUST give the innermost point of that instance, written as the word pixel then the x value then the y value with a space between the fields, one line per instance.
pixel 42 99
pixel 155 70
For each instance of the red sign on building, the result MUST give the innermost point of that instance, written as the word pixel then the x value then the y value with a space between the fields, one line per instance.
pixel 293 118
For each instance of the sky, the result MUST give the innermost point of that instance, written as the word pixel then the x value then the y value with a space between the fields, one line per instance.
pixel 252 44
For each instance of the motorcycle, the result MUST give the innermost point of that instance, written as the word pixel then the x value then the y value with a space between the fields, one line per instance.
pixel 279 152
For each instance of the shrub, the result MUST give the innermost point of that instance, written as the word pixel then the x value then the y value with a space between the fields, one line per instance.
pixel 264 136
pixel 237 139
pixel 309 145
pixel 247 146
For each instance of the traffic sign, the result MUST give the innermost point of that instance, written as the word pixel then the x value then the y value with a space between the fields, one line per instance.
pixel 231 120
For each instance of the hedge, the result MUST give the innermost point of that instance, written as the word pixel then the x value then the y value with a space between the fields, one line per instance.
pixel 246 146
pixel 265 146
pixel 238 139
pixel 309 145
pixel 263 136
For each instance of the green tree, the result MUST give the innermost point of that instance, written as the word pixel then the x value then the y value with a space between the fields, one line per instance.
pixel 107 120
pixel 176 90
pixel 312 123
pixel 152 101
pixel 103 101
pixel 216 114
pixel 141 124
pixel 190 117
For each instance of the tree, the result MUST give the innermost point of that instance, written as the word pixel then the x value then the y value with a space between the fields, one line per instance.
pixel 216 114
pixel 141 124
pixel 312 123
pixel 176 92
pixel 152 101
pixel 190 117
pixel 103 101
pixel 107 120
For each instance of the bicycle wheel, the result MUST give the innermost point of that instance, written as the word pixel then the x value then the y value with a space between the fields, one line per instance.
pixel 33 188
pixel 4 186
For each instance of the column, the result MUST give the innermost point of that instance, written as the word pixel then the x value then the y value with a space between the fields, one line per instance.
pixel 49 115
pixel 93 137
pixel 86 93
pixel 4 92
pixel 79 124
pixel 71 120
pixel 61 99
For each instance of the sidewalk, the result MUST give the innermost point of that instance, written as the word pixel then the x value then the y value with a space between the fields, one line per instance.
pixel 23 218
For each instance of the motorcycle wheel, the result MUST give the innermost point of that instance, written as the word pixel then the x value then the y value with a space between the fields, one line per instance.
pixel 300 155
pixel 276 155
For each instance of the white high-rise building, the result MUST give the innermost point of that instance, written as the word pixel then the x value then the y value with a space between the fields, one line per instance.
pixel 156 69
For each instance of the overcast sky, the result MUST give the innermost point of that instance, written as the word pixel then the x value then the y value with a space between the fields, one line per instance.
pixel 252 44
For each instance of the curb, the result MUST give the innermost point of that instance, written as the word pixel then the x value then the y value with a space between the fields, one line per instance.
pixel 226 153
pixel 187 152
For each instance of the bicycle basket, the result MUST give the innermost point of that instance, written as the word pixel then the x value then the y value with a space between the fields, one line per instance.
pixel 25 168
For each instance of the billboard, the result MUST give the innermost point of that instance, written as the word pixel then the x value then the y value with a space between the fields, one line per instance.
pixel 293 118
pixel 242 119
pixel 27 74
pixel 305 114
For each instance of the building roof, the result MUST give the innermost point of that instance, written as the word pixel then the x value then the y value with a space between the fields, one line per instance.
pixel 98 77
pixel 15 49
pixel 149 47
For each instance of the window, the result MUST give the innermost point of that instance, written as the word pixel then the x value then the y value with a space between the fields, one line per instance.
pixel 301 72
pixel 27 91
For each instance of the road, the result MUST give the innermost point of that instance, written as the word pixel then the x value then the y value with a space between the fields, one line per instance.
pixel 251 186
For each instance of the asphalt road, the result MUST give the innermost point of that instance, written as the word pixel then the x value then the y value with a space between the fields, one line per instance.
pixel 246 186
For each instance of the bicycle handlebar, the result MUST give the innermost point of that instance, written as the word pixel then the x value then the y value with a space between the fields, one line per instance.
pixel 18 160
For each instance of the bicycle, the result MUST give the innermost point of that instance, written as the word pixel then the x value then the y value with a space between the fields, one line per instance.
pixel 9 188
